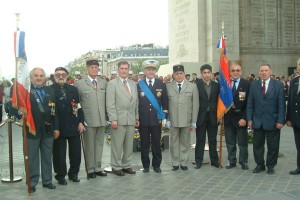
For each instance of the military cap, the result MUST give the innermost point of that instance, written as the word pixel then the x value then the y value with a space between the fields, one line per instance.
pixel 150 63
pixel 130 72
pixel 77 72
pixel 206 66
pixel 141 73
pixel 92 62
pixel 187 75
pixel 99 73
pixel 113 72
pixel 177 68
pixel 62 69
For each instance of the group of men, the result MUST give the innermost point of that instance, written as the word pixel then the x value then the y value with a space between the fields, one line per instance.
pixel 64 113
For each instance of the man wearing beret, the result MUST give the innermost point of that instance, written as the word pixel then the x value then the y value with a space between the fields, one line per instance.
pixel 207 117
pixel 183 111
pixel 92 90
pixel 70 126
pixel 153 107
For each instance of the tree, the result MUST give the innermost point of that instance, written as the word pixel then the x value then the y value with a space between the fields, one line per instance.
pixel 80 68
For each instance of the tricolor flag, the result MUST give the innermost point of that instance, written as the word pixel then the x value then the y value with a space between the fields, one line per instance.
pixel 225 100
pixel 21 89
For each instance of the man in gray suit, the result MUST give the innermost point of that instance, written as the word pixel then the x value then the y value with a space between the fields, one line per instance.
pixel 122 110
pixel 92 91
pixel 183 112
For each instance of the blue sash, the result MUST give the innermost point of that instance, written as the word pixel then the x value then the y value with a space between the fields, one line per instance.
pixel 152 99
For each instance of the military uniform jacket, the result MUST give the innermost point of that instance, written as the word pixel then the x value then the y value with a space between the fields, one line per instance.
pixel 208 102
pixel 68 121
pixel 92 101
pixel 293 106
pixel 147 113
pixel 238 111
pixel 120 105
pixel 44 122
pixel 183 106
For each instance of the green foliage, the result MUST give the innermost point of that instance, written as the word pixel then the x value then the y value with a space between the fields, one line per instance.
pixel 80 68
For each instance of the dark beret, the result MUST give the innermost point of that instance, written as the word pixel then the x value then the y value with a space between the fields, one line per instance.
pixel 206 66
pixel 177 68
pixel 92 62
pixel 187 75
pixel 62 69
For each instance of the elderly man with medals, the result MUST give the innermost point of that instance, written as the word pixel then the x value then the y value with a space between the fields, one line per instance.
pixel 153 107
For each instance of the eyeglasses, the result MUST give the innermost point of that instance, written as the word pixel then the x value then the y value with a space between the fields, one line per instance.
pixel 235 70
pixel 64 75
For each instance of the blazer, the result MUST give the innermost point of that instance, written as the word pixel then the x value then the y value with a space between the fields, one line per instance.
pixel 147 113
pixel 293 105
pixel 238 111
pixel 92 101
pixel 206 102
pixel 266 110
pixel 45 123
pixel 183 106
pixel 120 105
pixel 68 121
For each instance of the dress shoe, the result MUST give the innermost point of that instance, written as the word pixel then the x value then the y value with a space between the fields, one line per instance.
pixel 91 175
pixel 184 168
pixel 294 172
pixel 244 166
pixel 270 171
pixel 101 173
pixel 146 170
pixel 230 165
pixel 32 189
pixel 74 179
pixel 258 169
pixel 50 186
pixel 157 170
pixel 129 171
pixel 197 166
pixel 62 181
pixel 175 168
pixel 118 172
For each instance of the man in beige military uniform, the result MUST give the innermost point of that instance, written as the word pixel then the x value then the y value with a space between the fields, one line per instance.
pixel 122 110
pixel 92 91
pixel 183 112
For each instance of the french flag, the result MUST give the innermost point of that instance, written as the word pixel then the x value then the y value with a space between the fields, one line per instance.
pixel 19 43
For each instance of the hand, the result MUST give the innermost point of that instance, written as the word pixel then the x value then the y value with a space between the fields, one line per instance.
pixel 81 128
pixel 242 122
pixel 289 123
pixel 114 124
pixel 163 123
pixel 21 111
pixel 279 126
pixel 168 124
pixel 250 124
pixel 193 125
pixel 137 123
pixel 56 134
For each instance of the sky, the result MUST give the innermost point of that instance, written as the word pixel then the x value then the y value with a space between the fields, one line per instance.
pixel 59 31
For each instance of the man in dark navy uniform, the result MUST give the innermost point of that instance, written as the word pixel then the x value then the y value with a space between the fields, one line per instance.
pixel 153 107
pixel 70 127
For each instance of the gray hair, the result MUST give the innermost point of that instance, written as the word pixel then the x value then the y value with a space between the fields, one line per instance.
pixel 37 68
pixel 266 64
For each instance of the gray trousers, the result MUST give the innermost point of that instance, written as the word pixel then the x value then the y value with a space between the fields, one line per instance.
pixel 121 146
pixel 93 142
pixel 180 145
pixel 35 146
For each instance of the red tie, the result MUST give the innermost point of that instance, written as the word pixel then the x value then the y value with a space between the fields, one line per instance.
pixel 263 88
pixel 94 83
pixel 126 86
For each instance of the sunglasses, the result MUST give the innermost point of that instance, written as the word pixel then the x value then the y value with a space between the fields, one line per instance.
pixel 236 70
pixel 64 75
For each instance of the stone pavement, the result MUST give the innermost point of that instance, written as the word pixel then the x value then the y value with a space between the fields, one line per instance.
pixel 206 183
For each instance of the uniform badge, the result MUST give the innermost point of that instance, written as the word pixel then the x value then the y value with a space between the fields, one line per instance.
pixel 142 94
pixel 242 96
pixel 52 107
pixel 158 94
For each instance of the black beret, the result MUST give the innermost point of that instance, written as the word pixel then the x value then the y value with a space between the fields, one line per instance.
pixel 62 69
pixel 187 75
pixel 177 68
pixel 92 62
pixel 206 66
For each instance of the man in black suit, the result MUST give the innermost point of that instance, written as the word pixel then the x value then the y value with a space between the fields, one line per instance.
pixel 43 110
pixel 152 96
pixel 266 115
pixel 293 114
pixel 70 126
pixel 235 120
pixel 207 117
pixel 195 79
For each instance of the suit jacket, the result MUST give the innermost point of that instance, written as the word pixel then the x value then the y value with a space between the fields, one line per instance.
pixel 266 110
pixel 293 106
pixel 147 113
pixel 44 122
pixel 238 111
pixel 120 105
pixel 92 101
pixel 206 102
pixel 68 121
pixel 183 106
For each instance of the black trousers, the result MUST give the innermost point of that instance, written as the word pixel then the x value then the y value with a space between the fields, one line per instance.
pixel 212 141
pixel 59 156
pixel 297 141
pixel 233 136
pixel 1 110
pixel 150 135
pixel 273 139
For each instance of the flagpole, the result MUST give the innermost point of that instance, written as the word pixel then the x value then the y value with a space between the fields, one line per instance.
pixel 25 144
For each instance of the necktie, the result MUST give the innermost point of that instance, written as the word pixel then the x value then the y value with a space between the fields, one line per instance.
pixel 126 86
pixel 150 84
pixel 179 87
pixel 263 88
pixel 41 94
pixel 234 87
pixel 94 83
pixel 63 93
